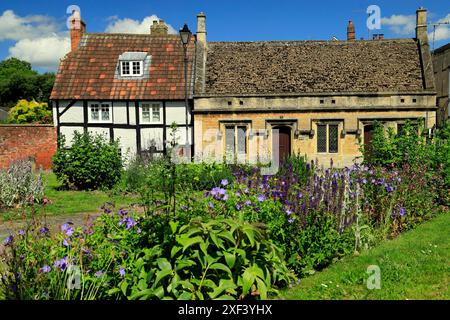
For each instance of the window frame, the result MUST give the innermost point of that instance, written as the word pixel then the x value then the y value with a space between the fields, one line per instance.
pixel 130 68
pixel 236 155
pixel 327 125
pixel 100 106
pixel 151 105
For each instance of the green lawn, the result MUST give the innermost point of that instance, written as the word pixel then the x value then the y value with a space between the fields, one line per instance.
pixel 70 202
pixel 416 265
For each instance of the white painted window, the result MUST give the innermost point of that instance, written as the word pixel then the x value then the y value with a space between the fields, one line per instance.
pixel 100 112
pixel 131 68
pixel 235 141
pixel 151 112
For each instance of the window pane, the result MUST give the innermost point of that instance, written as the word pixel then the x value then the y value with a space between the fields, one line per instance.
pixel 241 140
pixel 156 113
pixel 125 67
pixel 94 112
pixel 333 138
pixel 145 113
pixel 229 140
pixel 136 67
pixel 321 138
pixel 105 112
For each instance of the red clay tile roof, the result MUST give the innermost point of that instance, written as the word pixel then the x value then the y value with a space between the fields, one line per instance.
pixel 290 67
pixel 88 72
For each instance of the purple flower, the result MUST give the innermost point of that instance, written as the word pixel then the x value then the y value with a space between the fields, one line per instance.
pixel 8 240
pixel 211 205
pixel 67 230
pixel 61 264
pixel 239 206
pixel 45 269
pixel 248 202
pixel 238 193
pixel 299 195
pixel 399 179
pixel 246 190
pixel 21 232
pixel 129 223
pixel 291 220
pixel 225 197
pixel 183 208
pixel 122 271
pixel 123 212
pixel 65 243
pixel 389 188
pixel 224 182
pixel 288 212
pixel 138 230
pixel 364 181
pixel 401 211
pixel 99 273
pixel 261 198
pixel 44 230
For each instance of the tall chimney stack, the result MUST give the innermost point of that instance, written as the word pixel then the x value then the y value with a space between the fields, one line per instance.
pixel 421 25
pixel 77 29
pixel 350 31
pixel 201 27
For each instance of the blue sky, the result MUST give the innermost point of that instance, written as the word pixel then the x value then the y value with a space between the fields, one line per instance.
pixel 36 30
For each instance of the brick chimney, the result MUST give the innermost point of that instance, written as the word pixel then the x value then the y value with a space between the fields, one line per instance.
pixel 421 25
pixel 381 36
pixel 77 29
pixel 158 28
pixel 374 36
pixel 350 31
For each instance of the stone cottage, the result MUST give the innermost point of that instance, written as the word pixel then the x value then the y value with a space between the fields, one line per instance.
pixel 262 101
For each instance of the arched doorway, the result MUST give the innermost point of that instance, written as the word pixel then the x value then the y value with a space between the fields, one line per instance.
pixel 282 135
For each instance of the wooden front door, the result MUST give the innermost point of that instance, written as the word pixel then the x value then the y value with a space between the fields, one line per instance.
pixel 284 140
pixel 368 135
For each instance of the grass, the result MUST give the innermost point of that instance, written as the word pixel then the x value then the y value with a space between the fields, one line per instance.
pixel 71 202
pixel 413 266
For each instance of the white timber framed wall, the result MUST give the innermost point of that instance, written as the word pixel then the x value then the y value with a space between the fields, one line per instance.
pixel 125 123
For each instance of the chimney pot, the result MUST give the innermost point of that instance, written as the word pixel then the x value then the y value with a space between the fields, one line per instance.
pixel 374 36
pixel 158 28
pixel 381 36
pixel 350 31
pixel 201 27
pixel 77 29
pixel 421 25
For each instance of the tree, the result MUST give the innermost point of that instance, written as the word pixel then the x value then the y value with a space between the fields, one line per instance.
pixel 18 81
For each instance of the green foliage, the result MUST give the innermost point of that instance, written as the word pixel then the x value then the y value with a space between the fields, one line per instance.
pixel 30 112
pixel 20 185
pixel 91 162
pixel 202 176
pixel 207 259
pixel 18 81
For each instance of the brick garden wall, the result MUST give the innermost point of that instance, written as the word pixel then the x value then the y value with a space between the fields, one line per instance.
pixel 27 141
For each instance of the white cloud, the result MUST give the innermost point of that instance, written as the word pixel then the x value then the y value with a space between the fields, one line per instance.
pixel 44 52
pixel 127 25
pixel 39 39
pixel 442 32
pixel 400 24
pixel 13 27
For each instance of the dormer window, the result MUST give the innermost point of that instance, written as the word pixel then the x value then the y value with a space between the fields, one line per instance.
pixel 133 65
pixel 131 68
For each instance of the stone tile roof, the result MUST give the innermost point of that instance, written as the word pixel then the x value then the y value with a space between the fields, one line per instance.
pixel 88 72
pixel 292 67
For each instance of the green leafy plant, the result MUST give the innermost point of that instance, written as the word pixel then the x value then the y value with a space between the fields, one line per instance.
pixel 91 162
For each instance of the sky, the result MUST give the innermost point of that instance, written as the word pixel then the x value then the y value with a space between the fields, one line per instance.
pixel 36 31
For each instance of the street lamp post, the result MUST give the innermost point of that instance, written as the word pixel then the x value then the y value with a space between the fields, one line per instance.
pixel 185 35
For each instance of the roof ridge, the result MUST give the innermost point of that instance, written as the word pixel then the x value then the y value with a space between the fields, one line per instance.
pixel 315 41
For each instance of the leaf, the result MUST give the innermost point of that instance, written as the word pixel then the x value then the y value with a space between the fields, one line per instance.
pixel 262 288
pixel 187 242
pixel 124 287
pixel 224 285
pixel 230 258
pixel 225 297
pixel 209 284
pixel 174 251
pixel 163 264
pixel 184 263
pixel 247 280
pixel 185 296
pixel 250 233
pixel 227 235
pixel 144 294
pixel 142 284
pixel 220 266
pixel 173 226
pixel 161 275
pixel 199 295
pixel 159 292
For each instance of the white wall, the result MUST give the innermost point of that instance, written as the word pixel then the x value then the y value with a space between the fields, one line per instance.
pixel 120 112
pixel 149 134
pixel 127 139
pixel 73 114
pixel 68 133
pixel 175 112
pixel 101 131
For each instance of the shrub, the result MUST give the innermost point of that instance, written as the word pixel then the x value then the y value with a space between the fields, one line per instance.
pixel 19 185
pixel 30 112
pixel 90 163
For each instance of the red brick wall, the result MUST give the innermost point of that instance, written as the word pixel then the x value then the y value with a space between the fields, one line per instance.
pixel 22 141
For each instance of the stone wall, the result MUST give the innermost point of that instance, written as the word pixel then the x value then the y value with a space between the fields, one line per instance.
pixel 35 142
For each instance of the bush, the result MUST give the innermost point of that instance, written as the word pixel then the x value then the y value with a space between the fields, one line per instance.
pixel 90 163
pixel 19 185
pixel 30 112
